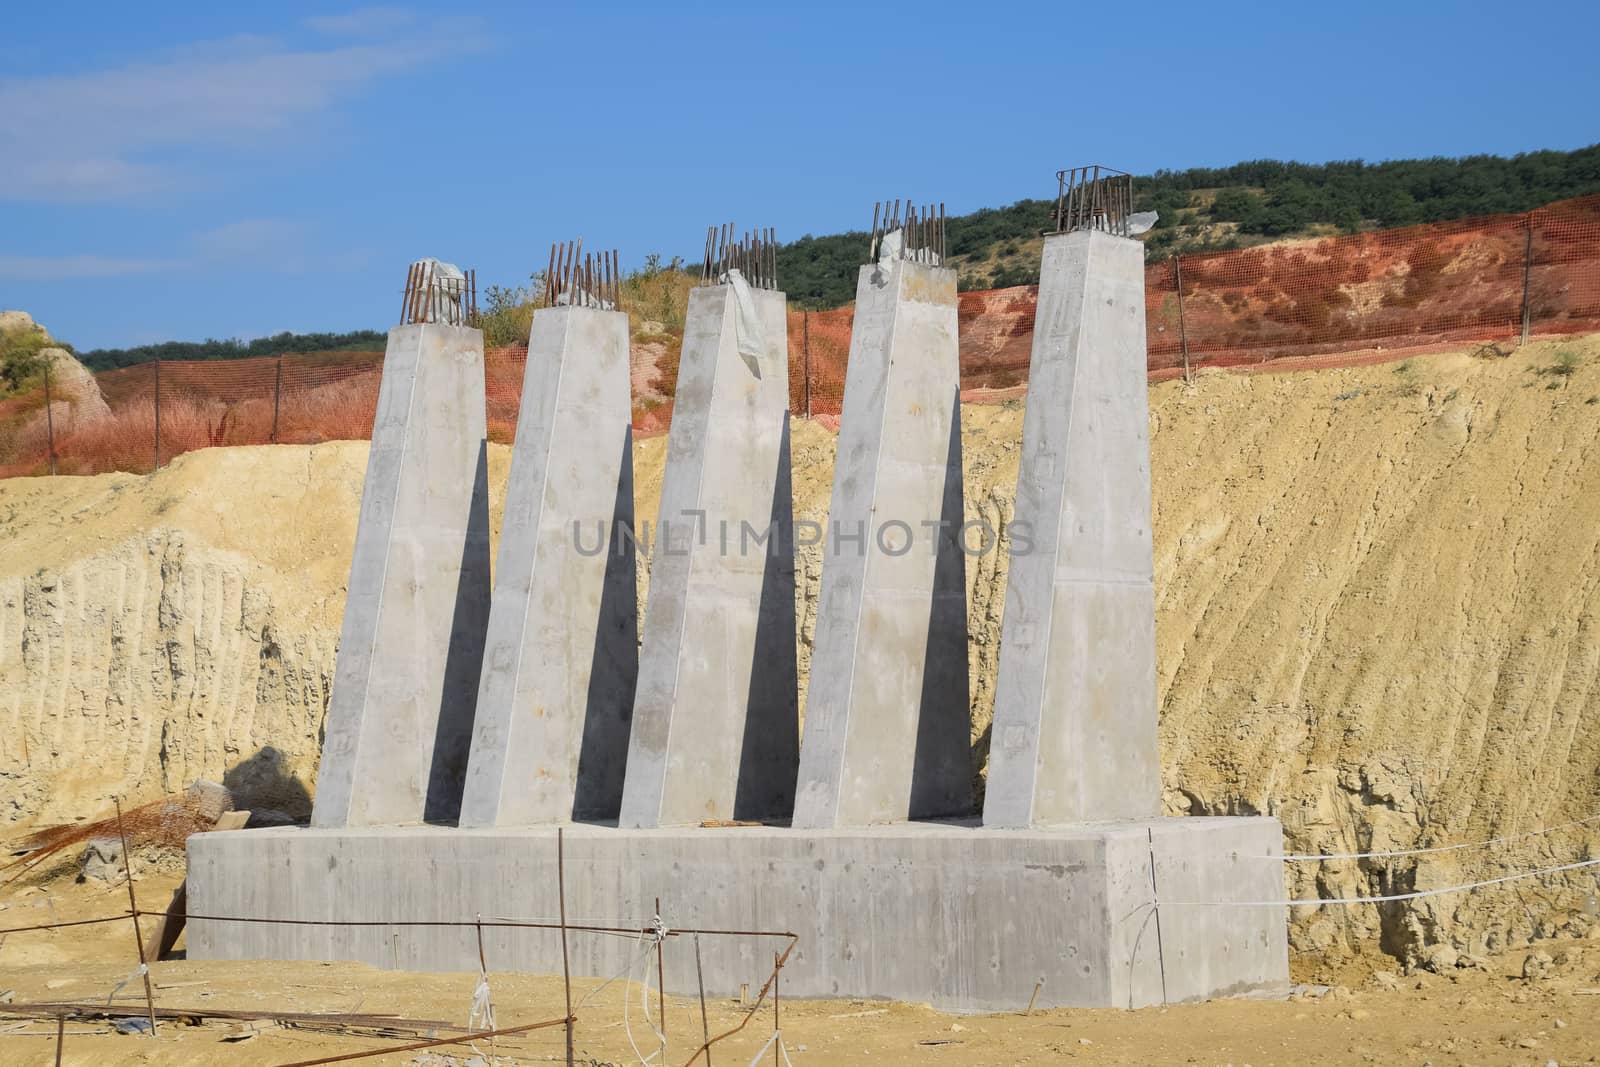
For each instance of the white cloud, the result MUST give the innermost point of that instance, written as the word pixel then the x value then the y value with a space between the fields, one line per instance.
pixel 363 22
pixel 73 268
pixel 279 240
pixel 98 135
pixel 280 245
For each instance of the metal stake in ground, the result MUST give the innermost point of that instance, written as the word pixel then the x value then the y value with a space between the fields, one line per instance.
pixel 805 351
pixel 1155 903
pixel 1183 332
pixel 700 980
pixel 158 417
pixel 277 396
pixel 133 906
pixel 561 900
pixel 661 978
pixel 483 972
pixel 1527 277
pixel 49 420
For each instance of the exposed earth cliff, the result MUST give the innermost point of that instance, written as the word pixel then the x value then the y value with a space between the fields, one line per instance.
pixel 1378 597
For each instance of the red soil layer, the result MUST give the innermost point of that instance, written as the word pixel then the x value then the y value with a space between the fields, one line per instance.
pixel 1312 304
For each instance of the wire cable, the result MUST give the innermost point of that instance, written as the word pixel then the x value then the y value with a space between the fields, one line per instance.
pixel 1318 857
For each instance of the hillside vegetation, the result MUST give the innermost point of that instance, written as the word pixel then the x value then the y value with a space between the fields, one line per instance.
pixel 35 367
pixel 23 353
pixel 278 344
pixel 1200 209
pixel 1206 208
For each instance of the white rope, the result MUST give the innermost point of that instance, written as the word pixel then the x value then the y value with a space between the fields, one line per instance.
pixel 1319 857
pixel 783 1050
pixel 627 969
pixel 138 972
pixel 627 998
pixel 656 934
pixel 1304 901
pixel 627 1025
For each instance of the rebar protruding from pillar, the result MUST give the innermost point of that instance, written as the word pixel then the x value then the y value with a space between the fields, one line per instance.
pixel 1093 198
pixel 921 231
pixel 753 255
pixel 578 279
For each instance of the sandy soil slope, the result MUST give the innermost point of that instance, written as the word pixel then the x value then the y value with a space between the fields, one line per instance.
pixel 1377 616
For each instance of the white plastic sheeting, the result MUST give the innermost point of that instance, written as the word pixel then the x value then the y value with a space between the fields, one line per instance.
pixel 444 301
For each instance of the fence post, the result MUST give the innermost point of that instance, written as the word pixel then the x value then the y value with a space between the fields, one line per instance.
pixel 49 420
pixel 1183 332
pixel 158 417
pixel 1527 274
pixel 805 349
pixel 277 395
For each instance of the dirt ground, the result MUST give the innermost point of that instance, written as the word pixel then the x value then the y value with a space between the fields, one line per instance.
pixel 1483 1014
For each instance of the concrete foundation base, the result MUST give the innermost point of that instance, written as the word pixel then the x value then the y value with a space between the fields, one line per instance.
pixel 963 918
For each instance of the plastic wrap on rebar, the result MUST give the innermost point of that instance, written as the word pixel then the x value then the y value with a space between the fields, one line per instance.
pixel 446 285
pixel 747 329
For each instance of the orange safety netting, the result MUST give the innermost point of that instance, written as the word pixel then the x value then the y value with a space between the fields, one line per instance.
pixel 1473 279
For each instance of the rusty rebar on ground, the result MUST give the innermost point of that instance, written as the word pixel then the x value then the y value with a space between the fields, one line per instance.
pixel 462 1039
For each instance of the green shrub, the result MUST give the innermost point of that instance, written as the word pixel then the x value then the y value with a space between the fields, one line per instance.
pixel 20 361
pixel 505 316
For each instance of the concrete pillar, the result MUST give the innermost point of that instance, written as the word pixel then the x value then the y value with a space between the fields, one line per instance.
pixel 551 733
pixel 1074 735
pixel 715 722
pixel 888 727
pixel 406 677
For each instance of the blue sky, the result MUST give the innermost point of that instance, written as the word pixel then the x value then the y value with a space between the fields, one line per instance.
pixel 185 170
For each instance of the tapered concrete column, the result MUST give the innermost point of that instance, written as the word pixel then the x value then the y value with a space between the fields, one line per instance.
pixel 1075 707
pixel 887 730
pixel 551 733
pixel 406 677
pixel 715 722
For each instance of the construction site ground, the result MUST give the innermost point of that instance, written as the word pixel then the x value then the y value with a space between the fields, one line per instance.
pixel 1486 1013
pixel 1377 593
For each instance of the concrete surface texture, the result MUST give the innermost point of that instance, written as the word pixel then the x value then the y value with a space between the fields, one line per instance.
pixel 551 732
pixel 887 719
pixel 1075 731
pixel 997 913
pixel 406 677
pixel 715 721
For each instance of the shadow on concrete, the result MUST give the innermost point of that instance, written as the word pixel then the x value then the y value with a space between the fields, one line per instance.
pixel 941 771
pixel 464 662
pixel 769 755
pixel 263 783
pixel 614 669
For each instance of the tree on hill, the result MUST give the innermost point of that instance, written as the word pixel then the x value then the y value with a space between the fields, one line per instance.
pixel 1200 209
pixel 358 341
pixel 21 358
